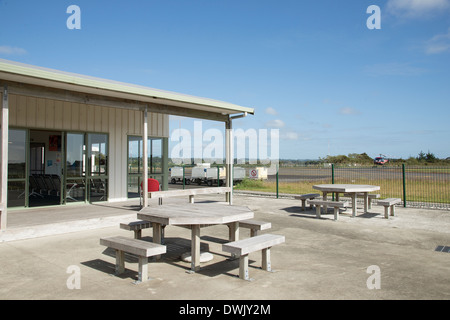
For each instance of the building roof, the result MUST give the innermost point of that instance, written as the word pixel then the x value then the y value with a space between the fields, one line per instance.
pixel 33 75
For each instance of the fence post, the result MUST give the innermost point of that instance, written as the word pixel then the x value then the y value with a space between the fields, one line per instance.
pixel 218 176
pixel 332 177
pixel 183 177
pixel 277 181
pixel 404 185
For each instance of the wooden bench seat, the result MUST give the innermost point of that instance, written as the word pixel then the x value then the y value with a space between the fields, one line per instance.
pixel 335 204
pixel 191 193
pixel 137 227
pixel 389 205
pixel 304 197
pixel 371 197
pixel 142 249
pixel 243 248
pixel 254 226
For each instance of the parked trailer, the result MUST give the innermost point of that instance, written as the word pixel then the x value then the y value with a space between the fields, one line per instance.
pixel 209 175
pixel 198 174
pixel 238 174
pixel 212 176
pixel 176 175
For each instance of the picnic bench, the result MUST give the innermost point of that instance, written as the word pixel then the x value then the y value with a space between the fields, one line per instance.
pixel 255 226
pixel 142 249
pixel 191 193
pixel 137 227
pixel 304 197
pixel 243 248
pixel 335 204
pixel 389 205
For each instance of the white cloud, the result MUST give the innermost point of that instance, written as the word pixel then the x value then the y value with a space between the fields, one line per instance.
pixel 271 111
pixel 416 8
pixel 393 69
pixel 289 135
pixel 8 50
pixel 348 111
pixel 277 123
pixel 438 44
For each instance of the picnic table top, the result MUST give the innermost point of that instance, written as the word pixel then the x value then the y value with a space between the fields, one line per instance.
pixel 346 187
pixel 195 213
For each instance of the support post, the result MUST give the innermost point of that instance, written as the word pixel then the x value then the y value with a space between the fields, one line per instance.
pixel 157 235
pixel 229 158
pixel 145 159
pixel 120 262
pixel 266 260
pixel 195 249
pixel 165 163
pixel 4 159
pixel 243 267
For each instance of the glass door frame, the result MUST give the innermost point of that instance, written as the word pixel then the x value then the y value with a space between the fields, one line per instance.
pixel 81 177
pixel 162 174
pixel 93 177
pixel 86 173
pixel 25 179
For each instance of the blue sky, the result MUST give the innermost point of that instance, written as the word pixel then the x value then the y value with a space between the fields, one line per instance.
pixel 311 69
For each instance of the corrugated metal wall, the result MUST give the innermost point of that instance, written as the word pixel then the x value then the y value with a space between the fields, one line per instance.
pixel 40 113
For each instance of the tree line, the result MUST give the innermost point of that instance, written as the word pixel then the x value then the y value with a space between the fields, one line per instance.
pixel 364 159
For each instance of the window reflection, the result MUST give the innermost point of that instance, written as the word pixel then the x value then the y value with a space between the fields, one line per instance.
pixel 16 154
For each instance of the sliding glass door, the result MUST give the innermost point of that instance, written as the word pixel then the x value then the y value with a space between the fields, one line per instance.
pixel 86 167
pixel 75 171
pixel 97 167
pixel 17 168
pixel 54 167
pixel 135 163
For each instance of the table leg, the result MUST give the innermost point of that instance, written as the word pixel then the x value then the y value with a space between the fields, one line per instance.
pixel 233 234
pixel 157 235
pixel 195 248
pixel 353 195
pixel 234 231
pixel 366 201
pixel 325 196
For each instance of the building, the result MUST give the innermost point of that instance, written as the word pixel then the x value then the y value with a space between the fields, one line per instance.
pixel 68 138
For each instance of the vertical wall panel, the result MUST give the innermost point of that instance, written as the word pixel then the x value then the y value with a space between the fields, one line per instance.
pixel 49 106
pixel 40 112
pixel 166 125
pixel 82 125
pixel 90 118
pixel 21 111
pixel 12 109
pixel 58 114
pixel 138 122
pixel 112 162
pixel 75 112
pixel 104 116
pixel 123 154
pixel 154 125
pixel 130 125
pixel 31 113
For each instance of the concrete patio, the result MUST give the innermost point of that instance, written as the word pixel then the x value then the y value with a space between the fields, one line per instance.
pixel 321 258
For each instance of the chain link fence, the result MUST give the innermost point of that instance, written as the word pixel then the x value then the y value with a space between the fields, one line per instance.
pixel 417 186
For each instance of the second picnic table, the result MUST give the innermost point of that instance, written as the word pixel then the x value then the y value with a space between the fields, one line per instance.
pixel 195 215
pixel 352 189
